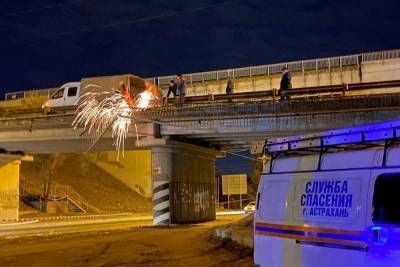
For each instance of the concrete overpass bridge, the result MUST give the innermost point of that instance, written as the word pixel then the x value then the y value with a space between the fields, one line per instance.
pixel 227 122
pixel 182 144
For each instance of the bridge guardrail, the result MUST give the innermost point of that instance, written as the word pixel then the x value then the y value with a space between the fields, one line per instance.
pixel 296 91
pixel 303 65
pixel 35 92
pixel 201 115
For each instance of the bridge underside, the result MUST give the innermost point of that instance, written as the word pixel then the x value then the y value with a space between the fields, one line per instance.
pixel 239 125
pixel 243 133
pixel 41 138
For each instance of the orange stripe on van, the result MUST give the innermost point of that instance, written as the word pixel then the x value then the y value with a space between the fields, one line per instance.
pixel 309 229
pixel 348 243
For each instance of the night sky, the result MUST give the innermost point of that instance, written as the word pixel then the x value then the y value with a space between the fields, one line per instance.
pixel 45 43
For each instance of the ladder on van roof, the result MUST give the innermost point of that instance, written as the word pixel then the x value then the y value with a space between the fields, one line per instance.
pixel 374 134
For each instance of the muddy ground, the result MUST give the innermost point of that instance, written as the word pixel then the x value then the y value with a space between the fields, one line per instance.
pixel 189 245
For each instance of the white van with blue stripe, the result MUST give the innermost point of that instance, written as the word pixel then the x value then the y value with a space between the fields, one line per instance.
pixel 331 199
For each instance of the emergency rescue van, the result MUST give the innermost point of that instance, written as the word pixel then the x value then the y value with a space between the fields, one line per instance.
pixel 331 199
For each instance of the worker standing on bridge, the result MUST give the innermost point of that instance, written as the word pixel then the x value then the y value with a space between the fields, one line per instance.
pixel 229 87
pixel 286 83
pixel 180 89
pixel 171 89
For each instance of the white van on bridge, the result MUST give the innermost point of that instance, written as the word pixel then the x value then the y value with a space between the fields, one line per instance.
pixel 68 94
pixel 331 199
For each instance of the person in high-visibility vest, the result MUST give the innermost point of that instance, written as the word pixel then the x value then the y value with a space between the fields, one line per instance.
pixel 124 91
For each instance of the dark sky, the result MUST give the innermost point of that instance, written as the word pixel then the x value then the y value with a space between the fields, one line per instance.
pixel 233 164
pixel 45 43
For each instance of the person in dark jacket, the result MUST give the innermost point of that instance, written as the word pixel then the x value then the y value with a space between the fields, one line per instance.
pixel 286 83
pixel 171 90
pixel 229 87
pixel 180 89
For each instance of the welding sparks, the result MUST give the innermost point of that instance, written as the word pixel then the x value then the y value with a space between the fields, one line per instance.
pixel 97 112
pixel 143 99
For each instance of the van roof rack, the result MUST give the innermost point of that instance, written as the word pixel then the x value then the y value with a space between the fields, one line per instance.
pixel 358 134
pixel 373 134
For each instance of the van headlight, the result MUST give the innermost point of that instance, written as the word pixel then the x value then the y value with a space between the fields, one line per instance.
pixel 45 105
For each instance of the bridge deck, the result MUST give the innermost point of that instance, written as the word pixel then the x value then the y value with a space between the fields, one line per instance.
pixel 238 123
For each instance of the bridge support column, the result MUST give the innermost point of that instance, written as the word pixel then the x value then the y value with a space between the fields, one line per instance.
pixel 183 184
pixel 9 186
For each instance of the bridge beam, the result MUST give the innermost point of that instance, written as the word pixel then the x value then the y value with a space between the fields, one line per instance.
pixel 282 125
pixel 183 184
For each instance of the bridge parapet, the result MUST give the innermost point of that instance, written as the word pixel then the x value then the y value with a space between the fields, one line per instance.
pixel 252 109
pixel 364 67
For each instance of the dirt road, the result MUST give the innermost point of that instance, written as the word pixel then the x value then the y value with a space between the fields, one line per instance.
pixel 145 246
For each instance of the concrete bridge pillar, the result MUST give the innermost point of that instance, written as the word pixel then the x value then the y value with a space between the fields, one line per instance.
pixel 9 186
pixel 183 184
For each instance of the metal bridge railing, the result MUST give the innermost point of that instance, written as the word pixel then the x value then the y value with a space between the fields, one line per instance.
pixel 35 92
pixel 381 55
pixel 303 65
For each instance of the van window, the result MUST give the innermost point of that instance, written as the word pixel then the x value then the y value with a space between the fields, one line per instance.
pixel 273 202
pixel 58 94
pixel 72 91
pixel 386 199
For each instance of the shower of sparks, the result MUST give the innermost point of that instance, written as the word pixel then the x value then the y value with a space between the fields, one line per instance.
pixel 143 99
pixel 98 112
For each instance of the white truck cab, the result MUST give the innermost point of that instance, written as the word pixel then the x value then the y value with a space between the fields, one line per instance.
pixel 67 95
pixel 332 209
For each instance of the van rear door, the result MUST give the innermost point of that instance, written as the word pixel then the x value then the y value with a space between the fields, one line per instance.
pixel 383 233
pixel 312 219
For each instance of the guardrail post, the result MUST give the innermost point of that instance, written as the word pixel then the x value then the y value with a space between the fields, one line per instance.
pixel 341 69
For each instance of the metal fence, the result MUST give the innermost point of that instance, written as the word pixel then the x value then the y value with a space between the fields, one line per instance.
pixel 30 93
pixel 304 65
